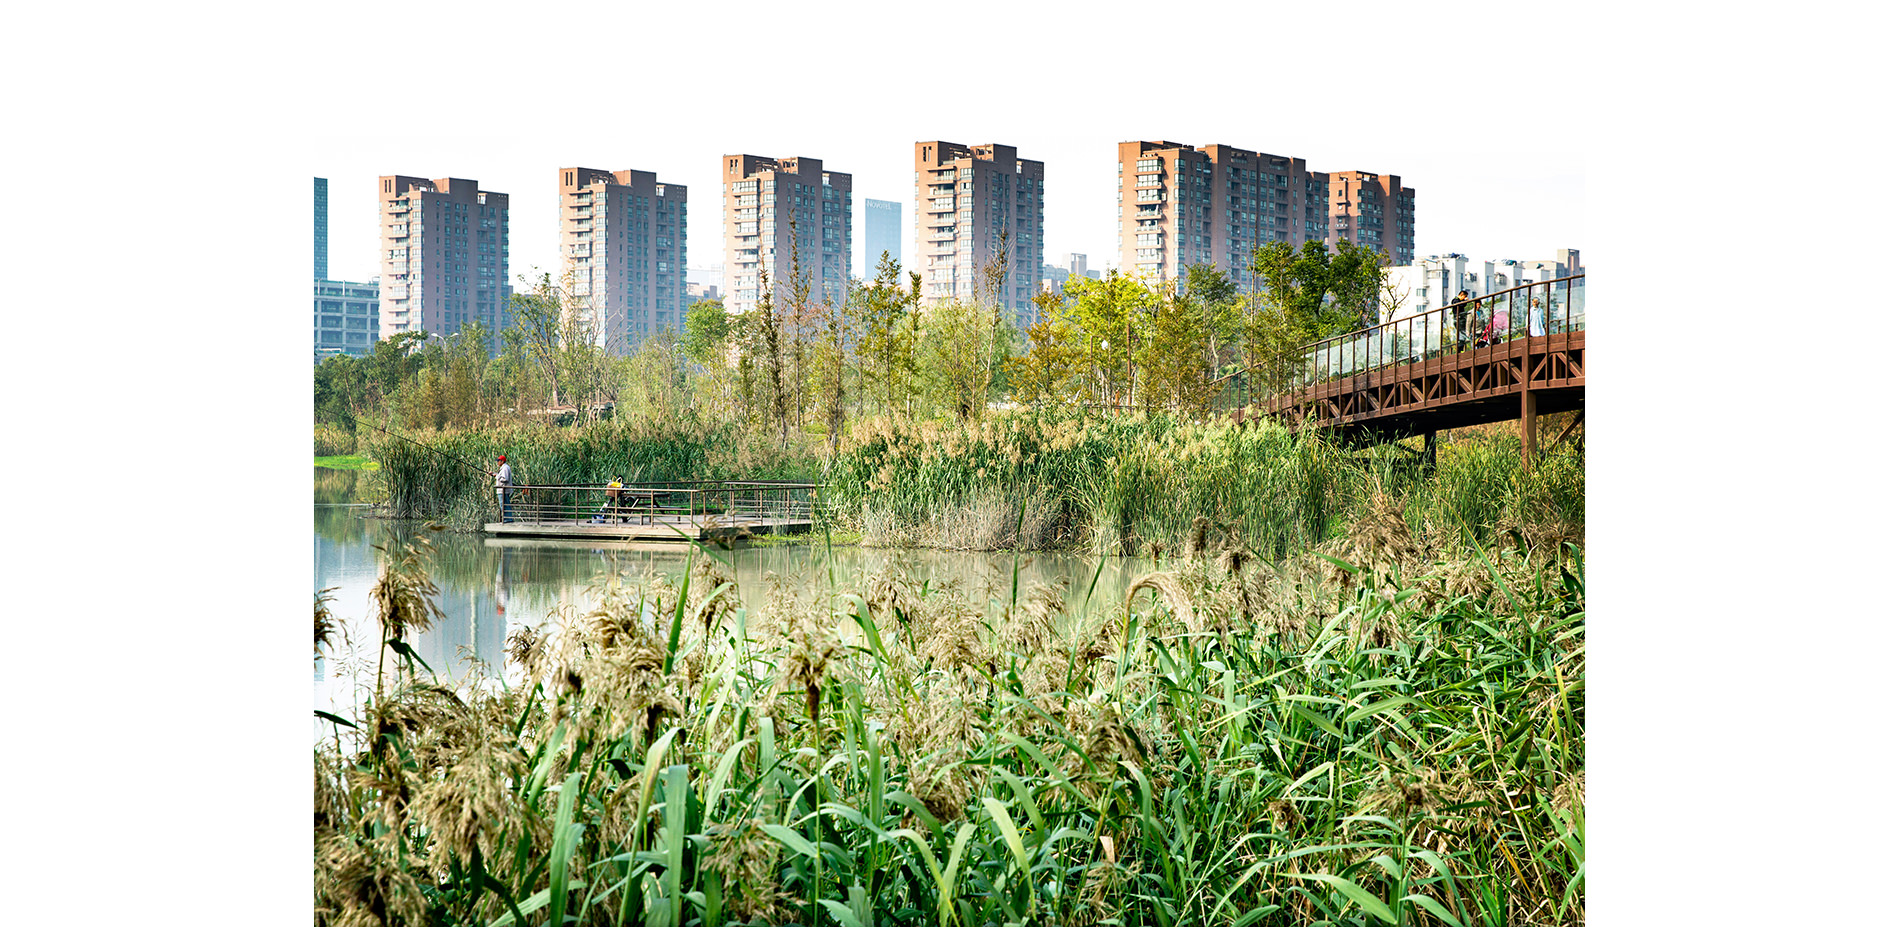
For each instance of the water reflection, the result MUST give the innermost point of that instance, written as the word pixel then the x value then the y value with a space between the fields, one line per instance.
pixel 489 586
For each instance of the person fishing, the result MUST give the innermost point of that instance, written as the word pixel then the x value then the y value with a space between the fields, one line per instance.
pixel 503 486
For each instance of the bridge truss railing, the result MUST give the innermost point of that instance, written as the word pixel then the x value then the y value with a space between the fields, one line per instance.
pixel 1547 307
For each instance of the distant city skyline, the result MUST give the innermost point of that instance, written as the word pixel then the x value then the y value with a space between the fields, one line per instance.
pixel 1472 202
pixel 1498 172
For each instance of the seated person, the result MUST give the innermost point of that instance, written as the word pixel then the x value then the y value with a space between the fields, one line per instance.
pixel 610 510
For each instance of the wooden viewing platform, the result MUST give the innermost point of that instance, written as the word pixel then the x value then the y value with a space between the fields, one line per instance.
pixel 678 511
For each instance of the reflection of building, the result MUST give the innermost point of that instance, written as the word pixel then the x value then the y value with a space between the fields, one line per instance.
pixel 445 256
pixel 623 253
pixel 343 314
pixel 1180 206
pixel 883 232
pixel 1431 283
pixel 763 198
pixel 967 200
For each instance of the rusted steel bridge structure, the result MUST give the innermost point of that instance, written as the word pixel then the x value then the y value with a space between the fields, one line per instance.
pixel 1516 353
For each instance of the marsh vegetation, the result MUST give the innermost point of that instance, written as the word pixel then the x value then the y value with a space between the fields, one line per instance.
pixel 1350 694
pixel 1386 730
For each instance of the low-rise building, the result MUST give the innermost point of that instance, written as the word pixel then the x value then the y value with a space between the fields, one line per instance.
pixel 344 316
pixel 1432 283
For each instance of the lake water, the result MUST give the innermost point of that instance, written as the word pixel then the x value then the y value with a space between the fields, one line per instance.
pixel 490 586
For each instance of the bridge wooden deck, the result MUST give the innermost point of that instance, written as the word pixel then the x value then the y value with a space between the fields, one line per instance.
pixel 1525 377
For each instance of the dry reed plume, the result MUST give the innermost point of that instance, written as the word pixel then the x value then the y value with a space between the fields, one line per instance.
pixel 1200 728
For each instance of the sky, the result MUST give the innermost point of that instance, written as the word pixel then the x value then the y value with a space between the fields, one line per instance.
pixel 1063 88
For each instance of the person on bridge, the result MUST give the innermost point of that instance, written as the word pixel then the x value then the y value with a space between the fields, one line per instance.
pixel 1498 328
pixel 1460 310
pixel 1537 317
pixel 503 485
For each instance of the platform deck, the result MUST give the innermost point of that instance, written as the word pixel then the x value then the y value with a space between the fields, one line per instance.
pixel 658 528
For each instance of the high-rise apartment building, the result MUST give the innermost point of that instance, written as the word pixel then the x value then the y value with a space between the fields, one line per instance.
pixel 623 253
pixel 1180 206
pixel 764 198
pixel 883 233
pixel 445 256
pixel 322 232
pixel 968 199
pixel 1372 211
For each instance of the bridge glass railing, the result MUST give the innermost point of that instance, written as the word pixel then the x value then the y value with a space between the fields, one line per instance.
pixel 1548 307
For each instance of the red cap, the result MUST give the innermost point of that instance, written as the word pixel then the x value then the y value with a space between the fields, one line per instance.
pixel 503 458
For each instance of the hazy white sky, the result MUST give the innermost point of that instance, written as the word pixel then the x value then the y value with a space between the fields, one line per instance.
pixel 1490 145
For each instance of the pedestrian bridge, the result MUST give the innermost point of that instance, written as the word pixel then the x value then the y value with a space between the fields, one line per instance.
pixel 1516 353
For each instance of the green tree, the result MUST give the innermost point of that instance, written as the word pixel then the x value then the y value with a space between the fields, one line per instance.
pixel 707 329
pixel 1173 358
pixel 954 348
pixel 762 375
pixel 1325 293
pixel 652 380
pixel 1215 300
pixel 1107 315
pixel 535 333
pixel 1053 368
pixel 802 318
pixel 829 359
pixel 885 313
pixel 1307 295
pixel 553 331
pixel 340 389
pixel 391 363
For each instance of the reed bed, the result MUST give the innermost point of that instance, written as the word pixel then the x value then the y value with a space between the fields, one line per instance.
pixel 1386 730
pixel 333 440
pixel 1137 485
pixel 443 474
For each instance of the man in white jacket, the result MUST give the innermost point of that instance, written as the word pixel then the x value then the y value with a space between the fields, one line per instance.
pixel 502 483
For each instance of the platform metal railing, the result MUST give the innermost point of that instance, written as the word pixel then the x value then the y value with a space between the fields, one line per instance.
pixel 674 502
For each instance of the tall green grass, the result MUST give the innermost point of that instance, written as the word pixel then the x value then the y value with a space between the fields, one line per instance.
pixel 1392 736
pixel 1139 485
pixel 333 440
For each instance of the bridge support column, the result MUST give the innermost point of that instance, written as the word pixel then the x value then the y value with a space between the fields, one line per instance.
pixel 1431 452
pixel 1527 426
